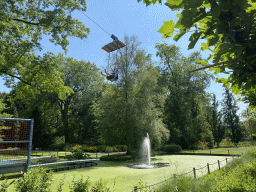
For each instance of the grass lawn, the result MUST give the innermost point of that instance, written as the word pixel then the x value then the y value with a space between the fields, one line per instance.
pixel 127 178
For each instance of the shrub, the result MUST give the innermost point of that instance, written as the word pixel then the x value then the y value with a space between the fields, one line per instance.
pixel 121 148
pixel 109 149
pixel 80 185
pixel 36 179
pixel 90 149
pixel 79 154
pixel 172 148
pixel 101 148
pixel 69 147
pixel 100 186
pixel 115 149
pixel 77 147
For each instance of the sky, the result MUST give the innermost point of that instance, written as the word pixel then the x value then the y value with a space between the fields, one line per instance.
pixel 126 18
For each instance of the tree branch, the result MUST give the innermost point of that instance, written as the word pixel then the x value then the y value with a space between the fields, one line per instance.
pixel 27 22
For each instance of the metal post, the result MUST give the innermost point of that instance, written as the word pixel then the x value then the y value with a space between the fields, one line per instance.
pixel 227 160
pixel 228 152
pixel 208 168
pixel 194 169
pixel 30 142
pixel 219 164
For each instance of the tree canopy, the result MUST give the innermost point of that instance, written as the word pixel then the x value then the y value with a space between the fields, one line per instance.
pixel 22 26
pixel 229 26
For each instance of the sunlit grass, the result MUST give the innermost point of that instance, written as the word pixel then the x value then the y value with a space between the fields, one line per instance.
pixel 127 178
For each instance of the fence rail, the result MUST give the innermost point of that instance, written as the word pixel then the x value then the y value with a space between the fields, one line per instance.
pixel 194 173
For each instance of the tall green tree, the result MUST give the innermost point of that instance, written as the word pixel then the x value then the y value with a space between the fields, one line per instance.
pixel 216 125
pixel 231 119
pixel 184 94
pixel 23 24
pixel 85 81
pixel 133 107
pixel 44 109
pixel 3 107
pixel 249 123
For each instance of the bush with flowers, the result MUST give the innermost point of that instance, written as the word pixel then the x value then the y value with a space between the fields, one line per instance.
pixel 77 147
pixel 91 149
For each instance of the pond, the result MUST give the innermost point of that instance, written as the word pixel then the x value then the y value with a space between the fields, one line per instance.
pixel 126 178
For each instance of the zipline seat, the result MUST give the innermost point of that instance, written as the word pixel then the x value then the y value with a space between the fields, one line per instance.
pixel 113 46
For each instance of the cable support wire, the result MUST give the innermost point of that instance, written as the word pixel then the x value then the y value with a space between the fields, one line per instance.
pixel 201 168
pixel 95 23
pixel 185 173
pixel 213 163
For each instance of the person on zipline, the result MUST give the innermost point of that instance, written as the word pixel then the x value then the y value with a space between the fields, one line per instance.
pixel 113 76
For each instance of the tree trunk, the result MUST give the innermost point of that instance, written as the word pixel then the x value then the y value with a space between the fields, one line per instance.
pixel 64 114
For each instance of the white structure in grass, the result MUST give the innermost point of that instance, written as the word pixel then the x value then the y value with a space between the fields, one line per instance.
pixel 147 142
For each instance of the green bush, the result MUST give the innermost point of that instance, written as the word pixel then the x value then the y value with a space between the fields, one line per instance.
pixel 79 154
pixel 90 149
pixel 77 148
pixel 115 149
pixel 115 158
pixel 101 148
pixel 121 148
pixel 109 149
pixel 80 185
pixel 173 148
pixel 69 147
pixel 37 180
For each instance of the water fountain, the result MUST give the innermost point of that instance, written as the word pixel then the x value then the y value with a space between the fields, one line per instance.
pixel 146 147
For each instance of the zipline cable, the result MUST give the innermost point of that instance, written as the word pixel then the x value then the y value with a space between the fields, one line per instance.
pixel 95 23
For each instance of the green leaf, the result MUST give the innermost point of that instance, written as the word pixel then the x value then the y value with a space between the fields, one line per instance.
pixel 215 11
pixel 193 39
pixel 199 15
pixel 212 41
pixel 179 35
pixel 210 30
pixel 167 29
pixel 201 62
pixel 204 46
pixel 149 2
pixel 235 90
pixel 174 2
pixel 215 69
pixel 223 81
pixel 210 57
pixel 192 3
